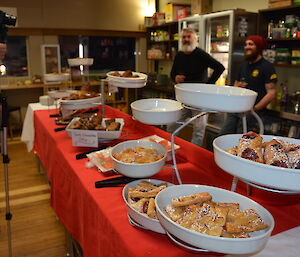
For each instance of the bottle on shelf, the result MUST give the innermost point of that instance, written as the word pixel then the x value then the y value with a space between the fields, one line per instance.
pixel 279 93
pixel 285 94
pixel 270 29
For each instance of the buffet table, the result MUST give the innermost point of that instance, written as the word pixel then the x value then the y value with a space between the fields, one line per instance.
pixel 97 218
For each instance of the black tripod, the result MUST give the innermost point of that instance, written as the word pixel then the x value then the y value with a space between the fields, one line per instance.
pixel 3 131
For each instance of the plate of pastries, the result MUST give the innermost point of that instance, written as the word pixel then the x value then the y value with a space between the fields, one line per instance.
pixel 214 219
pixel 266 160
pixel 127 79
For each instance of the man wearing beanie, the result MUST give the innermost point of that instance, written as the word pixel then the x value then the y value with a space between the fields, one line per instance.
pixel 259 75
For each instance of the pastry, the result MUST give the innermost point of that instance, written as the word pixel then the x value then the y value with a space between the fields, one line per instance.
pixel 250 147
pixel 294 158
pixel 275 154
pixel 191 199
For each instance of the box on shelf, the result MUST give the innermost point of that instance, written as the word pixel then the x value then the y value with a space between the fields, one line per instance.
pixel 279 3
pixel 182 13
pixel 201 6
pixel 172 11
pixel 158 18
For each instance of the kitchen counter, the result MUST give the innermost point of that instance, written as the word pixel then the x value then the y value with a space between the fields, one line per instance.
pixel 285 112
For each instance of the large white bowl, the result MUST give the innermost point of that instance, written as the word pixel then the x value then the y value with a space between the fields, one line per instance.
pixel 213 97
pixel 145 221
pixel 80 61
pixel 138 170
pixel 57 94
pixel 258 173
pixel 156 111
pixel 255 243
pixel 125 82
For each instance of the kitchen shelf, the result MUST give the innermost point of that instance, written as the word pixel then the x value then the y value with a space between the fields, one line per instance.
pixel 297 66
pixel 283 40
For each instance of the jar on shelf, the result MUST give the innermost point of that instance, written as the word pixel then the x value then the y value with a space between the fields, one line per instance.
pixel 282 56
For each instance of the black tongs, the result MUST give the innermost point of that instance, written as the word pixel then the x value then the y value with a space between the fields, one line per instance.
pixel 112 182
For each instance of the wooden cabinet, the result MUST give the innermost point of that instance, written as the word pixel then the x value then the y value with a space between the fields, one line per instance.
pixel 162 41
pixel 281 26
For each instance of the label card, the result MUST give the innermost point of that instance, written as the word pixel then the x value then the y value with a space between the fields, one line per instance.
pixel 85 138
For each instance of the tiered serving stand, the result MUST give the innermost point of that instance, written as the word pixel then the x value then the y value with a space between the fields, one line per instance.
pixel 211 98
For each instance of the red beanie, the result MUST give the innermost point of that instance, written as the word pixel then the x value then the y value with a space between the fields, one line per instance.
pixel 259 42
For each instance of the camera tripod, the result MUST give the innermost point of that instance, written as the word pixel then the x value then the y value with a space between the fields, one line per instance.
pixel 5 158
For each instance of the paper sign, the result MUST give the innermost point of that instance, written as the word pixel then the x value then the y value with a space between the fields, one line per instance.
pixel 85 138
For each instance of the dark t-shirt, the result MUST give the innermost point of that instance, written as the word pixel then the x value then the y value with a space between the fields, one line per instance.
pixel 194 66
pixel 257 75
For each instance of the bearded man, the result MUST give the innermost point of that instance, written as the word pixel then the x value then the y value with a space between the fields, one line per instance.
pixel 191 66
pixel 259 75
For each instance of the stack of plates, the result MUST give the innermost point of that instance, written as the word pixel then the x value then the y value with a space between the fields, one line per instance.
pixel 127 82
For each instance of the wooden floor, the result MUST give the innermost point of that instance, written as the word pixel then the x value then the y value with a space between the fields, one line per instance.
pixel 36 232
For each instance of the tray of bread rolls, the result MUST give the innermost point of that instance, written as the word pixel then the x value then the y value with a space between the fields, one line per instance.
pixel 267 160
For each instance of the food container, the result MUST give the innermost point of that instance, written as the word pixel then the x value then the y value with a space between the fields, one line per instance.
pixel 80 104
pixel 257 173
pixel 138 170
pixel 56 77
pixel 255 243
pixel 102 134
pixel 145 221
pixel 57 94
pixel 217 98
pixel 156 111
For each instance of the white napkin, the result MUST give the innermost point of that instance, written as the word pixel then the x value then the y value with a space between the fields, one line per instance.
pixel 285 244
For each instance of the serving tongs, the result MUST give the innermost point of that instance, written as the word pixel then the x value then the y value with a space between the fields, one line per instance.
pixel 113 182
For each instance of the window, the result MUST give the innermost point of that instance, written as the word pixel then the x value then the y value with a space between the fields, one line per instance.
pixel 16 56
pixel 109 53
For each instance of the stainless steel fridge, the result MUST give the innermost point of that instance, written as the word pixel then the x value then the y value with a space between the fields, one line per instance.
pixel 222 34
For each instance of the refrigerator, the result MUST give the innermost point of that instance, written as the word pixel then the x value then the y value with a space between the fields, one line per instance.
pixel 222 34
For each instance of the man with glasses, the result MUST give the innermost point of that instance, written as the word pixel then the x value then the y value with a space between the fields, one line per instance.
pixel 191 66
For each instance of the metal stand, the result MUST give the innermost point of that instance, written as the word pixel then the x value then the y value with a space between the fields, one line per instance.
pixel 4 123
pixel 183 124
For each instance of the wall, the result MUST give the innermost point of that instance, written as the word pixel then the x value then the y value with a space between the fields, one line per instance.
pixel 251 6
pixel 80 14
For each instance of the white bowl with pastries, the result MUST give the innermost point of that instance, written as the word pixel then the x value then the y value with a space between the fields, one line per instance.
pixel 156 111
pixel 266 160
pixel 80 61
pixel 138 158
pixel 127 79
pixel 218 227
pixel 213 97
pixel 139 198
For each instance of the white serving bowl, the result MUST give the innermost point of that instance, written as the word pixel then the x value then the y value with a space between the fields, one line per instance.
pixel 57 94
pixel 213 97
pixel 80 61
pixel 156 111
pixel 255 243
pixel 56 77
pixel 125 82
pixel 138 170
pixel 258 173
pixel 145 221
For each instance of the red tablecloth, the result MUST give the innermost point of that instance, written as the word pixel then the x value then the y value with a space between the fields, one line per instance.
pixel 97 218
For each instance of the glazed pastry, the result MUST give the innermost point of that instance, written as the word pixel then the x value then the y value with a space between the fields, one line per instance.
pixel 191 199
pixel 275 154
pixel 250 147
pixel 232 150
pixel 294 158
